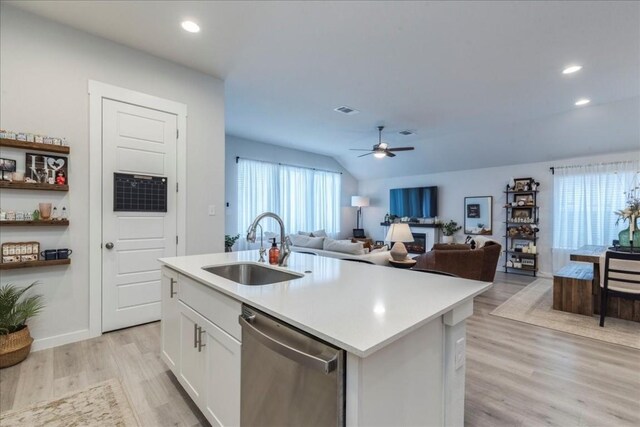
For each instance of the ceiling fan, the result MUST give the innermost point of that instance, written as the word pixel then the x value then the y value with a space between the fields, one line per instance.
pixel 381 149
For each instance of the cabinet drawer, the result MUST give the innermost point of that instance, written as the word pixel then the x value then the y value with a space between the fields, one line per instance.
pixel 219 309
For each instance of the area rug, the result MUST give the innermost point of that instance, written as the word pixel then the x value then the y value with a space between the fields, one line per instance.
pixel 533 305
pixel 103 404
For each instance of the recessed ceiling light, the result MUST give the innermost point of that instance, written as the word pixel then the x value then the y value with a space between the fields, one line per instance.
pixel 190 26
pixel 572 69
pixel 582 101
pixel 346 110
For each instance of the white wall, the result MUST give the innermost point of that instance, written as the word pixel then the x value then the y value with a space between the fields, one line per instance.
pixel 246 148
pixel 44 73
pixel 453 187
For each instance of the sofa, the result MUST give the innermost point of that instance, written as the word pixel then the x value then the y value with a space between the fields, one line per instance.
pixel 461 260
pixel 341 249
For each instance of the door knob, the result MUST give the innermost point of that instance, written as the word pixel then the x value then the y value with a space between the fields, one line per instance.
pixel 109 245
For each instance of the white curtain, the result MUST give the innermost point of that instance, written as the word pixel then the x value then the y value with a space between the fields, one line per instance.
pixel 306 199
pixel 585 198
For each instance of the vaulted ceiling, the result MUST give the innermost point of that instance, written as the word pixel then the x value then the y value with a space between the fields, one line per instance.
pixel 479 82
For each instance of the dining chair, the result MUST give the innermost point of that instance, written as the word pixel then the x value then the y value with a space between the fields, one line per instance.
pixel 621 279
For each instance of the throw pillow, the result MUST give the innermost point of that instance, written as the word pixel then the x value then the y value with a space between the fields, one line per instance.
pixel 304 233
pixel 306 241
pixel 319 233
pixel 343 246
pixel 379 250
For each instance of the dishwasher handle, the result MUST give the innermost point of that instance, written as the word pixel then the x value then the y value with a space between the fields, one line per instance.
pixel 308 360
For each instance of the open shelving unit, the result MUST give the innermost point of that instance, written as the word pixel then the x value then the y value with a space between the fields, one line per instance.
pixel 47 148
pixel 522 262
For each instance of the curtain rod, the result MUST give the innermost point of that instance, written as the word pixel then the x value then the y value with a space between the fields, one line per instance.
pixel 553 168
pixel 286 164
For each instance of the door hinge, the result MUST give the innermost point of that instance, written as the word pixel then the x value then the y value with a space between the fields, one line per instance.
pixel 176 187
pixel 176 240
pixel 177 133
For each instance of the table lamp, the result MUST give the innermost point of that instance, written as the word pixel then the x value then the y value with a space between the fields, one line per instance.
pixel 399 233
pixel 359 202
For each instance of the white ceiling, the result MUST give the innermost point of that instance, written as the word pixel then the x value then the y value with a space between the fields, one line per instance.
pixel 480 82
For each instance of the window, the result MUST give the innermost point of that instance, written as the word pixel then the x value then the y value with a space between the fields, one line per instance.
pixel 585 198
pixel 306 199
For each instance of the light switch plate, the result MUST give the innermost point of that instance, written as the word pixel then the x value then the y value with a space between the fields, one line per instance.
pixel 212 210
pixel 460 353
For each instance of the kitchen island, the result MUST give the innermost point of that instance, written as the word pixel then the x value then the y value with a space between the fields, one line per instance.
pixel 403 331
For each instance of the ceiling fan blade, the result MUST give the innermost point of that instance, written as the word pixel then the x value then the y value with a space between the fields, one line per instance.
pixel 362 155
pixel 359 149
pixel 389 154
pixel 401 149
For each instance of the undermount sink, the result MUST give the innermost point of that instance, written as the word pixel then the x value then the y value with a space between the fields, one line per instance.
pixel 251 274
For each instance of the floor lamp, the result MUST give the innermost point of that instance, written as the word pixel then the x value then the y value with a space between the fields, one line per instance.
pixel 359 202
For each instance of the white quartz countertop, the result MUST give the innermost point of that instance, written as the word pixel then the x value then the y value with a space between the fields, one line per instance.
pixel 357 307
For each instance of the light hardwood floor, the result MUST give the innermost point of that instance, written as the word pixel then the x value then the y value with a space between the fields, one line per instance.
pixel 517 374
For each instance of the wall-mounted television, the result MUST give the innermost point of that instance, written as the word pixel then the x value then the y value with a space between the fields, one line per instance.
pixel 418 202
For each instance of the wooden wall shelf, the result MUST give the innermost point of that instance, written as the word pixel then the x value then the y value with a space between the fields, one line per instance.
pixel 27 264
pixel 39 223
pixel 31 186
pixel 34 146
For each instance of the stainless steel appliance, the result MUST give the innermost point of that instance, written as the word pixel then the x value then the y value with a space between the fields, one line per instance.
pixel 289 378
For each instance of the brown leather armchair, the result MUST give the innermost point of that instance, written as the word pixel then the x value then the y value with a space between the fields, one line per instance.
pixel 461 260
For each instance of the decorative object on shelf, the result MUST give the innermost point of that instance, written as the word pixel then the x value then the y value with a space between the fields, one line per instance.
pixel 521 218
pixel 45 168
pixel 7 165
pixel 20 251
pixel 630 236
pixel 448 230
pixel 16 308
pixel 17 177
pixel 49 254
pixel 478 217
pixel 522 184
pixel 11 216
pixel 229 241
pixel 36 215
pixel 63 253
pixel 359 202
pixel 45 210
pixel 398 234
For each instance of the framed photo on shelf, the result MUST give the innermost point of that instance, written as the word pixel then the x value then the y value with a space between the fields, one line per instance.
pixel 528 262
pixel 517 245
pixel 526 199
pixel 521 213
pixel 522 184
pixel 47 169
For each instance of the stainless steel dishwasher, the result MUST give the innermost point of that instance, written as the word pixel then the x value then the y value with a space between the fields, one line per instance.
pixel 289 378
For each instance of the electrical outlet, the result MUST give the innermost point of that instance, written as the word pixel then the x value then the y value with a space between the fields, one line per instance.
pixel 212 210
pixel 460 353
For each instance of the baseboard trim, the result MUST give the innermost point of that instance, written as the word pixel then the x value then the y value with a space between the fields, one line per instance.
pixel 58 340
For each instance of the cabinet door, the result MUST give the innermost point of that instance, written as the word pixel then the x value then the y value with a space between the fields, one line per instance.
pixel 170 324
pixel 191 366
pixel 222 376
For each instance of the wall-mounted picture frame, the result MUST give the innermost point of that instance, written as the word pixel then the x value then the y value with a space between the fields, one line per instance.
pixel 521 213
pixel 478 215
pixel 47 169
pixel 522 184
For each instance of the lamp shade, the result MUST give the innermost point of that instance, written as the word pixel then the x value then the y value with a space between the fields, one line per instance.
pixel 359 201
pixel 399 233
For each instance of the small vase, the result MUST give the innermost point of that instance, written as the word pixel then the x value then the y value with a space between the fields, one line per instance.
pixel 447 239
pixel 625 240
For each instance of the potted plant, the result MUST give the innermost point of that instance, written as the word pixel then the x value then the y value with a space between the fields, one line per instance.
pixel 229 241
pixel 448 230
pixel 15 309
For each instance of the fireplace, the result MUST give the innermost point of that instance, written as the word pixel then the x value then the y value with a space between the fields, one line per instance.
pixel 419 244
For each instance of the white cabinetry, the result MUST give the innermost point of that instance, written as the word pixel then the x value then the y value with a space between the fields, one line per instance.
pixel 202 330
pixel 170 325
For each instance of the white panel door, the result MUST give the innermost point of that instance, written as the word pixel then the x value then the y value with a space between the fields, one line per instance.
pixel 138 141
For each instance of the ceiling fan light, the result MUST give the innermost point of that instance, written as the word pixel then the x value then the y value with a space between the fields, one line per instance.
pixel 379 154
pixel 383 145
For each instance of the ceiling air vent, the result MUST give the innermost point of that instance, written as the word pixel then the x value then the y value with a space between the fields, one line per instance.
pixel 346 110
pixel 406 132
